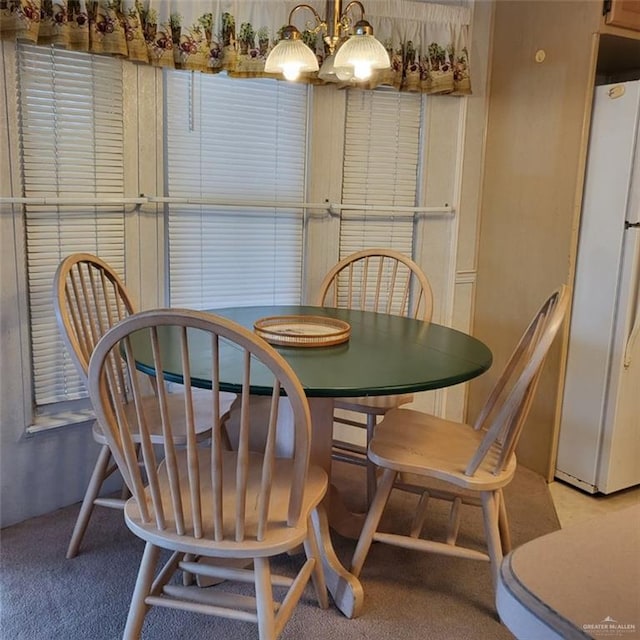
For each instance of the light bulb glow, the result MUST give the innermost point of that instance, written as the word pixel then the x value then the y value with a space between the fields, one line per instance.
pixel 362 70
pixel 291 71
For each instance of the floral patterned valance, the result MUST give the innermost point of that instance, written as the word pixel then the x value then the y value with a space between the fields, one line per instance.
pixel 427 43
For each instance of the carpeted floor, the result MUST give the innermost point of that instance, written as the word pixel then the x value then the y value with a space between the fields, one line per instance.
pixel 408 595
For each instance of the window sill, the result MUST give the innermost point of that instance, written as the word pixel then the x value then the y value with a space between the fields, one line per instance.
pixel 62 419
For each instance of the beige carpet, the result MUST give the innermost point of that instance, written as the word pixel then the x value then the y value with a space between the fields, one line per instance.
pixel 408 595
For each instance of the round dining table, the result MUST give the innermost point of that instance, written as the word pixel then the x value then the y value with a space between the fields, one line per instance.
pixel 384 354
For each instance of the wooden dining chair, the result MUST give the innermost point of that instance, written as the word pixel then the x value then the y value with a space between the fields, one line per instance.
pixel 89 298
pixel 469 464
pixel 384 281
pixel 208 501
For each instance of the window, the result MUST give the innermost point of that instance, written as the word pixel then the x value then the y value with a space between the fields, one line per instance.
pixel 235 142
pixel 72 146
pixel 235 167
pixel 381 163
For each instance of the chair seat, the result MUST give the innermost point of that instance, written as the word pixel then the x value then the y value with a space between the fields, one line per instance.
pixel 417 443
pixel 203 411
pixel 377 405
pixel 279 538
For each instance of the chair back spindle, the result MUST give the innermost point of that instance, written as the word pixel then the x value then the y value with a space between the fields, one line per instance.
pixel 379 280
pixel 89 298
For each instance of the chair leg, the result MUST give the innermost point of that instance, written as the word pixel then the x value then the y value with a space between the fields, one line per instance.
pixel 264 599
pixel 503 523
pixel 97 478
pixel 138 607
pixel 454 521
pixel 490 513
pixel 312 550
pixel 373 519
pixel 188 578
pixel 372 480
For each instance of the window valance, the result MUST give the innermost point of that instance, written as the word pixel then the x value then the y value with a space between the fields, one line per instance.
pixel 427 43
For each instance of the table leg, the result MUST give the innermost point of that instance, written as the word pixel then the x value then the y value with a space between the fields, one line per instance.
pixel 345 522
pixel 341 519
pixel 344 587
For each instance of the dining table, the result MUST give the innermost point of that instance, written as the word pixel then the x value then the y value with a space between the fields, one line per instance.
pixel 383 354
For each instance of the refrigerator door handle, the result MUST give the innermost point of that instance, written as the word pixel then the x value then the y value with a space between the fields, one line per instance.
pixel 633 336
pixel 635 332
pixel 635 329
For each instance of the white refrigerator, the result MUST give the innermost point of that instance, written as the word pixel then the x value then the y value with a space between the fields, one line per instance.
pixel 599 445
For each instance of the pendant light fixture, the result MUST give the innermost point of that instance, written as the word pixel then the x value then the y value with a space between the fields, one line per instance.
pixel 354 51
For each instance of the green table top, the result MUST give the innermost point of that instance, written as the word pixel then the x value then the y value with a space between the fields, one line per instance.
pixel 384 355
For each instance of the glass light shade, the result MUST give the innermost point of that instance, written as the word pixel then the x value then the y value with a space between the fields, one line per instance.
pixel 330 73
pixel 363 53
pixel 291 58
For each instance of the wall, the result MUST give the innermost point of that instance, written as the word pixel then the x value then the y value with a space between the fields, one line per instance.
pixel 537 134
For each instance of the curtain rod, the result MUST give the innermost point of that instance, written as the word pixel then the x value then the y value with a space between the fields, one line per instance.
pixel 238 203
pixel 330 207
pixel 78 200
pixel 336 208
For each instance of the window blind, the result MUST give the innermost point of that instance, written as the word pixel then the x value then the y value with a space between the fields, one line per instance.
pixel 381 162
pixel 72 145
pixel 230 140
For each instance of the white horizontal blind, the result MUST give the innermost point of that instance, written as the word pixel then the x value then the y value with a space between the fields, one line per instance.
pixel 72 145
pixel 381 163
pixel 235 139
